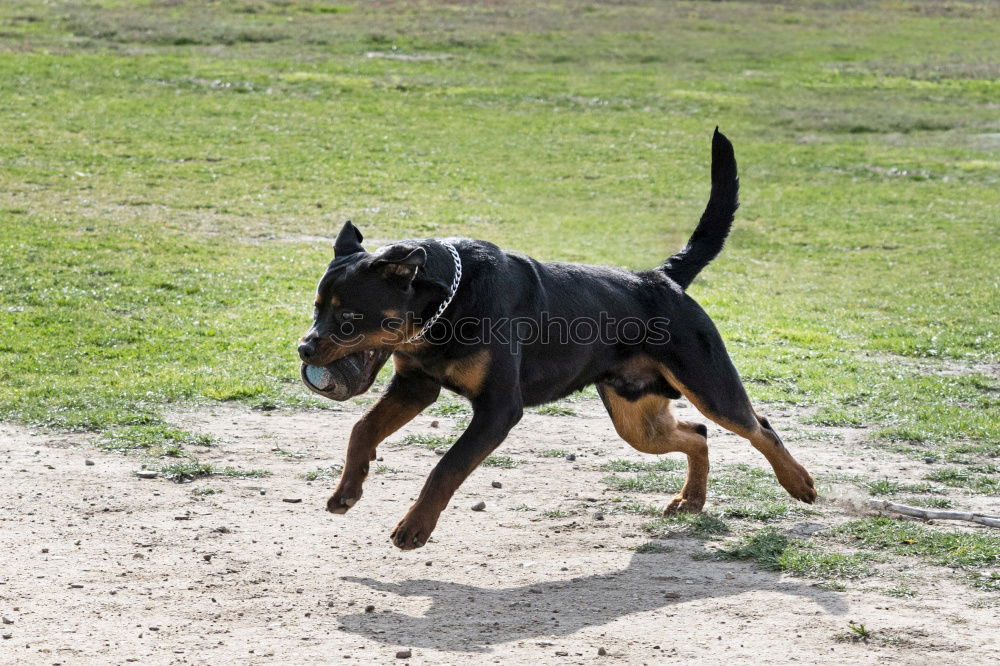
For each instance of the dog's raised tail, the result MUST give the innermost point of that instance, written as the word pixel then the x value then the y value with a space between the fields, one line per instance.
pixel 710 235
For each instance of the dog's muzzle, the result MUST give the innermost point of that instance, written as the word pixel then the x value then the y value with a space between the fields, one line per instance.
pixel 346 377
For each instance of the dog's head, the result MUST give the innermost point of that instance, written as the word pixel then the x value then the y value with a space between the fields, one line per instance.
pixel 367 306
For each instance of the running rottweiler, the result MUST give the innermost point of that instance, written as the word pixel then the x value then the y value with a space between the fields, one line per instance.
pixel 508 332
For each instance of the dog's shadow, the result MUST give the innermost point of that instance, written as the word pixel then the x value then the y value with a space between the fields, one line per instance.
pixel 469 618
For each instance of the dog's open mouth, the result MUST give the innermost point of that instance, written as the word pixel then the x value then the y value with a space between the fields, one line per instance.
pixel 346 377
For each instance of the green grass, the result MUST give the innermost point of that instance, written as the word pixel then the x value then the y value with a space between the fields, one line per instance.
pixel 183 472
pixel 448 408
pixel 172 172
pixel 774 551
pixel 963 452
pixel 752 493
pixel 650 482
pixel 763 512
pixel 189 470
pixel 624 505
pixel 324 473
pixel 697 524
pixel 987 582
pixel 503 462
pixel 930 502
pixel 889 487
pixel 556 513
pixel 553 453
pixel 947 548
pixel 430 442
pixel 240 473
pixel 660 465
pixel 983 479
pixel 152 439
pixel 288 454
pixel 741 491
pixel 555 410
pixel 745 483
pixel 860 632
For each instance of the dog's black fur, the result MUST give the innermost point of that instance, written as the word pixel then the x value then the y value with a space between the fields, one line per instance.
pixel 404 283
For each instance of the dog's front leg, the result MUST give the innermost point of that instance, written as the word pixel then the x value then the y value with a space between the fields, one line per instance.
pixel 406 397
pixel 492 418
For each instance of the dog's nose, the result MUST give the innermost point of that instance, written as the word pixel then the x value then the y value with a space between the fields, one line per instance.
pixel 307 348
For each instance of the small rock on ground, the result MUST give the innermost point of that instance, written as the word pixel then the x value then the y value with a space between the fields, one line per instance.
pixel 479 506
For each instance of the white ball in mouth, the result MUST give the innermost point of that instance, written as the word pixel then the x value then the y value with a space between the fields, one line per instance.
pixel 319 377
pixel 341 379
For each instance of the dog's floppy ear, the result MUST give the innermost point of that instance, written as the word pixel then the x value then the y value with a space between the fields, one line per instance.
pixel 348 241
pixel 400 262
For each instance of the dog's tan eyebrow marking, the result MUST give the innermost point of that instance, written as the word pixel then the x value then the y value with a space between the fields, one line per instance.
pixel 334 301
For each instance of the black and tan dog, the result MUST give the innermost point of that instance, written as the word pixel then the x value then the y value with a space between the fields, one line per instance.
pixel 636 335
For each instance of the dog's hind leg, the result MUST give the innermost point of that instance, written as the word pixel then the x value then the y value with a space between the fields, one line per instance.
pixel 709 380
pixel 407 396
pixel 740 418
pixel 648 424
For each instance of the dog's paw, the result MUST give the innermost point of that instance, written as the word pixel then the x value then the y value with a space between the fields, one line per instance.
pixel 411 532
pixel 799 484
pixel 681 504
pixel 340 502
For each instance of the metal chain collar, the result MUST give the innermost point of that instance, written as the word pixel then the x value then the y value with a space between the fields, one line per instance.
pixel 451 294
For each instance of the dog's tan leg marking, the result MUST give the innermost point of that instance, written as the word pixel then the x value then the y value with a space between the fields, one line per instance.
pixel 403 400
pixel 468 374
pixel 649 425
pixel 791 475
pixel 416 527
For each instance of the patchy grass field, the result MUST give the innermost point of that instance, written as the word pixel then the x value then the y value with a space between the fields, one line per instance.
pixel 171 173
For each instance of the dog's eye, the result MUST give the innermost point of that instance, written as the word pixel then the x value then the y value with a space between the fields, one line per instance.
pixel 347 315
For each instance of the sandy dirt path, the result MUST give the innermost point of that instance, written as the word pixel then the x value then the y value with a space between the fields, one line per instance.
pixel 102 567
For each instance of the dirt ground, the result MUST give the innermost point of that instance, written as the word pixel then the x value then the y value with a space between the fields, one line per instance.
pixel 102 567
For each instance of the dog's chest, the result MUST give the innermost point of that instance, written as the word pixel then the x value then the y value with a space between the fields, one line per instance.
pixel 465 376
